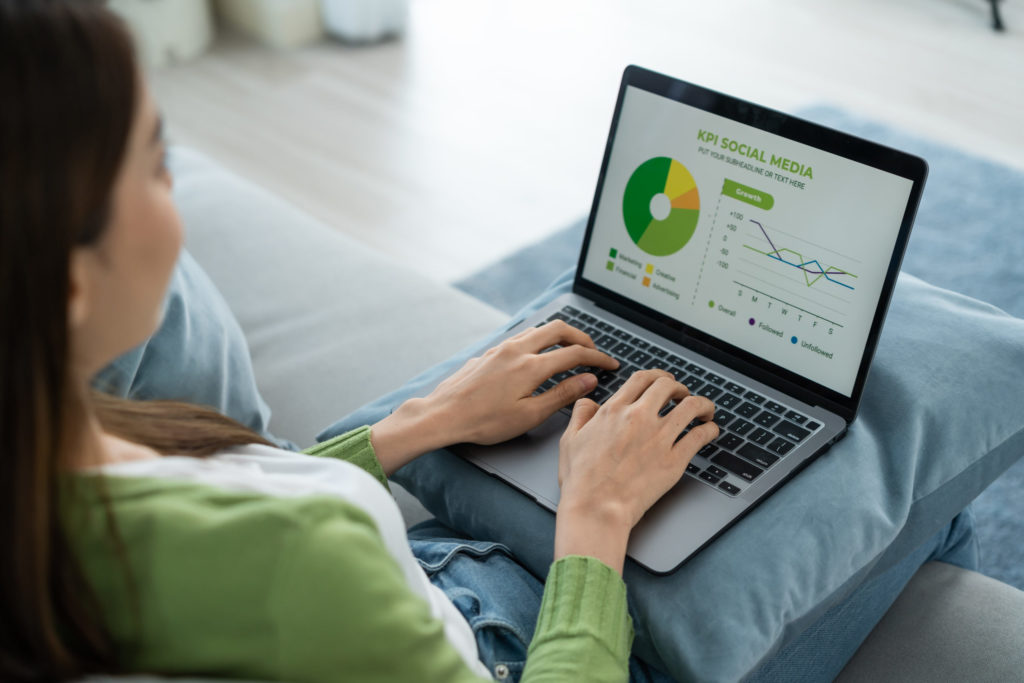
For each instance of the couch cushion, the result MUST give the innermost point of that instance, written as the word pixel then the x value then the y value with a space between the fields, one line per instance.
pixel 949 624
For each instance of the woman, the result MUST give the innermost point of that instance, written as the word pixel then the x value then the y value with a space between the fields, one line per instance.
pixel 132 551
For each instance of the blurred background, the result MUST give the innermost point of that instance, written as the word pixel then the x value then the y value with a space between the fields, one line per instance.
pixel 450 133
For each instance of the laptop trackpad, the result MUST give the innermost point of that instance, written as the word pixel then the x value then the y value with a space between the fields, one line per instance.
pixel 528 462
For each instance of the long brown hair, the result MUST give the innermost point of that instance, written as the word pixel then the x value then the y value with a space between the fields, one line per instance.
pixel 68 89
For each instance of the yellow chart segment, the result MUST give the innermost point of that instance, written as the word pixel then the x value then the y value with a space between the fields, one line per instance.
pixel 679 182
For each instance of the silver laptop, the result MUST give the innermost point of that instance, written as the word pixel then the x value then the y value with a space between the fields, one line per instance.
pixel 753 255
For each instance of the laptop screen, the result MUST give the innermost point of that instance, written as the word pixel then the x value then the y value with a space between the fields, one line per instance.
pixel 776 247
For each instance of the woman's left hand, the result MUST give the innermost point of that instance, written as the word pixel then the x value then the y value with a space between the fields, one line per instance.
pixel 490 399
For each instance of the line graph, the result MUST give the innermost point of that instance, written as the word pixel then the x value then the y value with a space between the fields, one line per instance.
pixel 809 267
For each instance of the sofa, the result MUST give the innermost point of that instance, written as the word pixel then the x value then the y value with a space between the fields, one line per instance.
pixel 332 324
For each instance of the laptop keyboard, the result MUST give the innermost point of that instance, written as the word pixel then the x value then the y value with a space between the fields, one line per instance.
pixel 755 432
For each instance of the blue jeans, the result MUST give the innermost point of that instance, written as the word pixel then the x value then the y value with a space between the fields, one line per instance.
pixel 837 544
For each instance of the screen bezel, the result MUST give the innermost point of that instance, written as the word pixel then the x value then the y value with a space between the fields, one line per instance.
pixel 829 140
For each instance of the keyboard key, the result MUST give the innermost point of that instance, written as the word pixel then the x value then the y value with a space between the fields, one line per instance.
pixel 775 407
pixel 791 431
pixel 695 369
pixel 723 417
pixel 717 471
pixel 708 477
pixel 692 469
pixel 741 426
pixel 602 325
pixel 748 410
pixel 758 455
pixel 640 358
pixel 587 318
pixel 755 398
pixel 657 352
pixel 622 334
pixel 761 436
pixel 621 350
pixel 714 379
pixel 606 342
pixel 780 446
pixel 734 388
pixel 709 391
pixel 675 360
pixel 796 417
pixel 729 441
pixel 559 316
pixel 812 425
pixel 657 364
pixel 708 450
pixel 741 468
pixel 600 394
pixel 766 419
pixel 570 310
pixel 729 488
pixel 729 401
pixel 678 373
pixel 616 385
pixel 692 383
pixel 640 343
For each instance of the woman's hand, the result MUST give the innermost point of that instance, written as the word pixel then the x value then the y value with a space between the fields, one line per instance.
pixel 490 399
pixel 616 461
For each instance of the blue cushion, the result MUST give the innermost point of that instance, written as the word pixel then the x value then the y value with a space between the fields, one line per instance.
pixel 940 419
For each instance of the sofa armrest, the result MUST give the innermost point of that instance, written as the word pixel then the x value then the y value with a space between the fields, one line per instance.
pixel 948 624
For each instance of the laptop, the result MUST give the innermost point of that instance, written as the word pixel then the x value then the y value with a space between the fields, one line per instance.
pixel 751 254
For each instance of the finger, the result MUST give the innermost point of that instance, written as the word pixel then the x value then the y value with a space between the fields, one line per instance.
pixel 582 413
pixel 565 392
pixel 697 438
pixel 569 357
pixel 664 389
pixel 555 332
pixel 695 408
pixel 635 386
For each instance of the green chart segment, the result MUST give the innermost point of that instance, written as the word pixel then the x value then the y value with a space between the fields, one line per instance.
pixel 661 236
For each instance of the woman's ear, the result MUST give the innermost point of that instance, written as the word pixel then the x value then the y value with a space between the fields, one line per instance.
pixel 78 288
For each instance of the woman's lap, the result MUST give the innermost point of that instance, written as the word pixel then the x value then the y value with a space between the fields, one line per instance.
pixel 498 596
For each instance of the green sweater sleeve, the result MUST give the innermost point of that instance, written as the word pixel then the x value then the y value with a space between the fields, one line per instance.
pixel 356 448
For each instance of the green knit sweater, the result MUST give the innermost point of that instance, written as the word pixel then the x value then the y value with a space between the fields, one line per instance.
pixel 250 585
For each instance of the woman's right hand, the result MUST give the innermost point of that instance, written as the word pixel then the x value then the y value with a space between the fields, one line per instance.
pixel 618 459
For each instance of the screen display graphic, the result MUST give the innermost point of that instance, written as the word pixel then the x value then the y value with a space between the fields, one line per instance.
pixel 771 245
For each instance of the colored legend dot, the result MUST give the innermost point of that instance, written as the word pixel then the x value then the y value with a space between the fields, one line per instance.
pixel 711 304
pixel 611 265
pixel 650 268
pixel 647 282
pixel 613 253
pixel 751 321
pixel 793 339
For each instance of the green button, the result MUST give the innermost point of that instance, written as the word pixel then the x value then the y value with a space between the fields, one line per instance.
pixel 747 194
